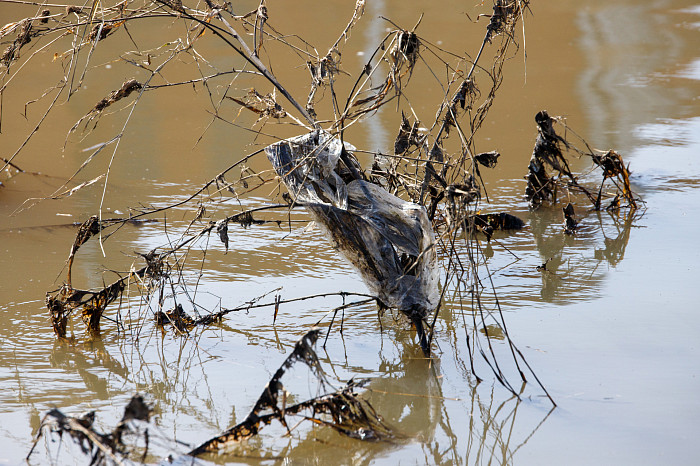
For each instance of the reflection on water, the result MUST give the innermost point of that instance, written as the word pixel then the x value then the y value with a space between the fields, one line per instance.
pixel 479 427
pixel 543 264
pixel 91 362
pixel 574 266
pixel 378 138
pixel 615 84
pixel 616 240
pixel 637 83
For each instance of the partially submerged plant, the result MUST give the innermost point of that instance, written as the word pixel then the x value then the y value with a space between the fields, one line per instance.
pixel 116 447
pixel 342 409
pixel 549 171
pixel 408 223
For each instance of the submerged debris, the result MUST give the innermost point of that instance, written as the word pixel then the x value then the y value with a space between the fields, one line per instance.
pixel 177 317
pixel 570 220
pixel 546 155
pixel 109 448
pixel 348 414
pixel 62 302
pixel 389 241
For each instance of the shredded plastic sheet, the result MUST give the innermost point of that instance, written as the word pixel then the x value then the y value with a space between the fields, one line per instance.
pixel 389 241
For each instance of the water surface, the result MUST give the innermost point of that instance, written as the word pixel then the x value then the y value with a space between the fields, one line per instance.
pixel 611 328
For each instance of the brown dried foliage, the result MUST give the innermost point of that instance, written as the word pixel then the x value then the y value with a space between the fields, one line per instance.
pixel 104 449
pixel 348 414
pixel 24 36
pixel 549 171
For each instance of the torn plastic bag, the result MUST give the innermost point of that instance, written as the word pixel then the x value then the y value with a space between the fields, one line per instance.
pixel 307 166
pixel 388 240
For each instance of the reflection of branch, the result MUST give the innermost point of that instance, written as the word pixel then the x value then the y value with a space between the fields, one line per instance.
pixel 62 302
pixel 100 446
pixel 614 250
pixel 350 415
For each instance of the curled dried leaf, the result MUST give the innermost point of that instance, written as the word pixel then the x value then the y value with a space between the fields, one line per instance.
pixel 487 159
pixel 222 230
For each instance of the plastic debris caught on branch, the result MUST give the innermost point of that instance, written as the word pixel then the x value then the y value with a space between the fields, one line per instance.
pixel 388 240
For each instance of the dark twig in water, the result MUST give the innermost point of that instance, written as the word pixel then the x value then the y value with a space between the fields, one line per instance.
pixel 349 414
pixel 102 448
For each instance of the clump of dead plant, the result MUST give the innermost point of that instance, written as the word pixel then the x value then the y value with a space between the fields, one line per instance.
pixel 549 171
pixel 433 172
pixel 128 441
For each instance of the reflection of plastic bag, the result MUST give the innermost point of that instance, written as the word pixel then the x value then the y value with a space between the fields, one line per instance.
pixel 390 241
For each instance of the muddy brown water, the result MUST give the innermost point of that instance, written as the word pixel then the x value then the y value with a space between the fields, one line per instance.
pixel 612 329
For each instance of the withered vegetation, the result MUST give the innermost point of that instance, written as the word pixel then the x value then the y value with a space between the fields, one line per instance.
pixel 127 442
pixel 342 409
pixel 399 223
pixel 411 224
pixel 549 172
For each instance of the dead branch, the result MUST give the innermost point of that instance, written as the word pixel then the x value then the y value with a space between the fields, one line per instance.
pixel 349 414
pixel 103 449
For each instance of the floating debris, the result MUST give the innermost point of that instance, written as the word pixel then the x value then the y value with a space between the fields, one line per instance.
pixel 570 219
pixel 488 223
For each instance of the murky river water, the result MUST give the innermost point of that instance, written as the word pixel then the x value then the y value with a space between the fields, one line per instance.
pixel 612 329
